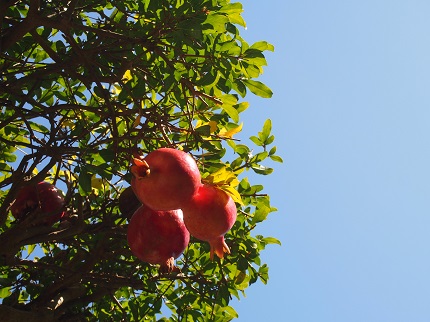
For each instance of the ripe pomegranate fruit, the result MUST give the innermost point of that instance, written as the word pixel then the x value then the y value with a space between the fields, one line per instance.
pixel 165 179
pixel 157 237
pixel 209 215
pixel 128 202
pixel 43 197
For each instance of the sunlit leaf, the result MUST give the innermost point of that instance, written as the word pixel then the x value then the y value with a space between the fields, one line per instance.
pixel 231 111
pixel 271 240
pixel 276 158
pixel 263 45
pixel 233 193
pixel 258 88
pixel 260 169
pixel 30 249
pixel 263 272
pixel 229 133
pixel 260 214
pixel 256 140
pixel 97 183
pixel 5 291
pixel 223 176
pixel 267 128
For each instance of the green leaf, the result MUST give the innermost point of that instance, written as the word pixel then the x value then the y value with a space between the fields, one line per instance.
pixel 107 154
pixel 255 57
pixel 253 53
pixel 267 128
pixel 217 21
pixel 258 88
pixel 260 214
pixel 204 130
pixel 30 249
pixel 242 150
pixel 39 127
pixel 256 140
pixel 259 157
pixel 209 80
pixel 271 240
pixel 9 157
pixel 234 194
pixel 4 167
pixel 276 158
pixel 84 181
pixel 231 47
pixel 240 277
pixel 242 106
pixel 262 46
pixel 146 4
pixel 230 130
pixel 231 312
pixel 270 140
pixel 261 169
pixel 252 71
pixel 4 292
pixel 239 87
pixel 229 99
pixel 230 8
pixel 263 273
pixel 231 111
pixel 237 19
pixel 272 150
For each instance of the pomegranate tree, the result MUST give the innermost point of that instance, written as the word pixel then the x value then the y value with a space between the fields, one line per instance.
pixel 165 179
pixel 42 197
pixel 157 237
pixel 209 215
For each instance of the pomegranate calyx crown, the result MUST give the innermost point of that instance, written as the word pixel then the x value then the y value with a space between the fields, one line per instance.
pixel 140 169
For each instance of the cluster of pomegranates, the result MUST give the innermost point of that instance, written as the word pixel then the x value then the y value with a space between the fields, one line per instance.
pixel 175 204
pixel 171 201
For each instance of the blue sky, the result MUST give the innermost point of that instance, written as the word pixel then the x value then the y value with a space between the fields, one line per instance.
pixel 351 116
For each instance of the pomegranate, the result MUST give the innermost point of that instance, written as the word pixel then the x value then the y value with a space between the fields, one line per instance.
pixel 128 202
pixel 209 216
pixel 43 197
pixel 157 237
pixel 165 179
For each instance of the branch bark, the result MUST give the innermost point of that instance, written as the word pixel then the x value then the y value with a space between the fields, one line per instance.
pixel 10 314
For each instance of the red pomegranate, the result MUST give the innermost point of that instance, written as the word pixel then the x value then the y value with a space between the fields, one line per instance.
pixel 128 203
pixel 165 179
pixel 44 197
pixel 157 237
pixel 209 215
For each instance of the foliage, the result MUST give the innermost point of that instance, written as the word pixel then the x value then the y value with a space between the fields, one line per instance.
pixel 84 84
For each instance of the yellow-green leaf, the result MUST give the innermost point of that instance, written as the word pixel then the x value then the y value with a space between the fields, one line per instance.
pixel 231 111
pixel 234 194
pixel 30 249
pixel 263 45
pixel 223 176
pixel 127 76
pixel 258 88
pixel 229 133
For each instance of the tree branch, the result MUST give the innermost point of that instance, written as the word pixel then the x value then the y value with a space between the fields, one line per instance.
pixel 11 314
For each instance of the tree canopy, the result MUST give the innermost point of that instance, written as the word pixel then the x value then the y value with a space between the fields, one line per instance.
pixel 84 86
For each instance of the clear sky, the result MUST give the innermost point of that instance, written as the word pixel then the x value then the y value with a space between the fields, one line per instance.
pixel 351 116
